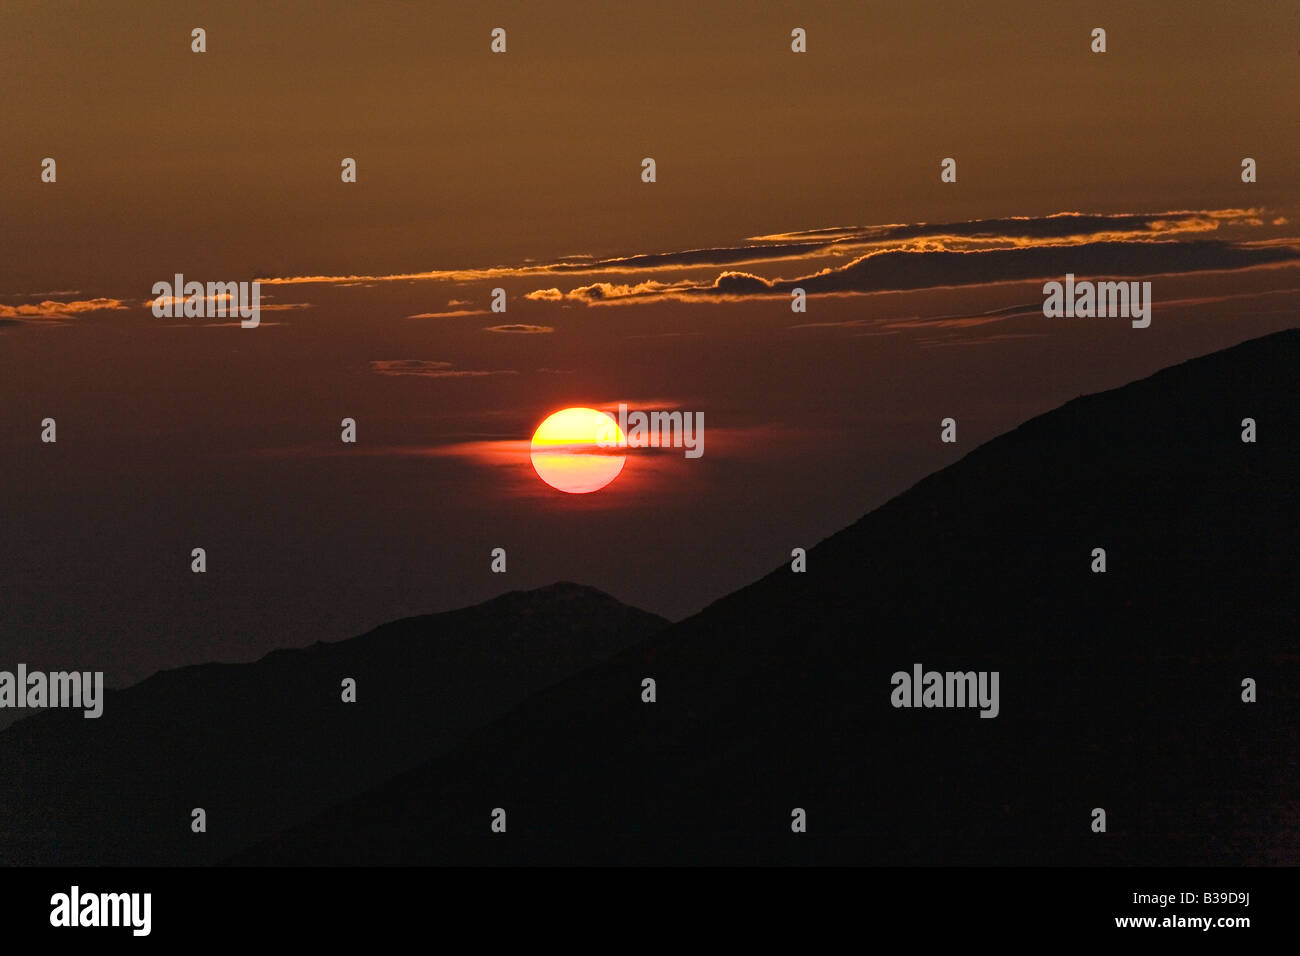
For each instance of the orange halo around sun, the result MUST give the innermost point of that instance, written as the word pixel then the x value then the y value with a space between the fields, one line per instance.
pixel 567 451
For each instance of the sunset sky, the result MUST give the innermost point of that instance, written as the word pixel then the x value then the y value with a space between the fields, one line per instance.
pixel 522 171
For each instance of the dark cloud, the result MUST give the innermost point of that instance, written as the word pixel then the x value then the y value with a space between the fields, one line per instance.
pixel 424 368
pixel 885 271
pixel 521 329
pixel 897 271
pixel 1009 230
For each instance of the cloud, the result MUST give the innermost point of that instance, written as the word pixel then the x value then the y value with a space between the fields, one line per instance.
pixel 841 241
pixel 955 321
pixel 224 299
pixel 476 374
pixel 218 325
pixel 407 366
pixel 1006 231
pixel 50 310
pixel 1061 225
pixel 545 295
pixel 423 368
pixel 521 329
pixel 600 291
pixel 501 451
pixel 899 271
pixel 924 270
pixel 455 314
pixel 955 324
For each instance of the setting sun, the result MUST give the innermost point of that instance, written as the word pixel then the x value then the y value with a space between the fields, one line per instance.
pixel 568 454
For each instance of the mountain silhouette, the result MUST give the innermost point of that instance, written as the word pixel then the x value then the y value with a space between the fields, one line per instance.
pixel 265 745
pixel 1120 691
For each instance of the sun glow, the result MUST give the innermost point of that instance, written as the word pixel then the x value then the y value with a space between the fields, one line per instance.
pixel 567 451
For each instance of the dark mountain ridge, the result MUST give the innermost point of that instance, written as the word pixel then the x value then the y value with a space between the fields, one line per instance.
pixel 264 745
pixel 1119 690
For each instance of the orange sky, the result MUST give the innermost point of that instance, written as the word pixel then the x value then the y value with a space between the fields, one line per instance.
pixel 477 171
pixel 228 162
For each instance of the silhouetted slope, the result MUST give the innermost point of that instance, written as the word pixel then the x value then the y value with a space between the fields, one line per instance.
pixel 261 746
pixel 1119 690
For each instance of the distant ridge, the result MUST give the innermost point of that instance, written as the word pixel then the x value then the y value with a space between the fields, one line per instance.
pixel 263 745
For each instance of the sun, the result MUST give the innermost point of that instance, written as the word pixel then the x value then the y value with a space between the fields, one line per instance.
pixel 568 453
